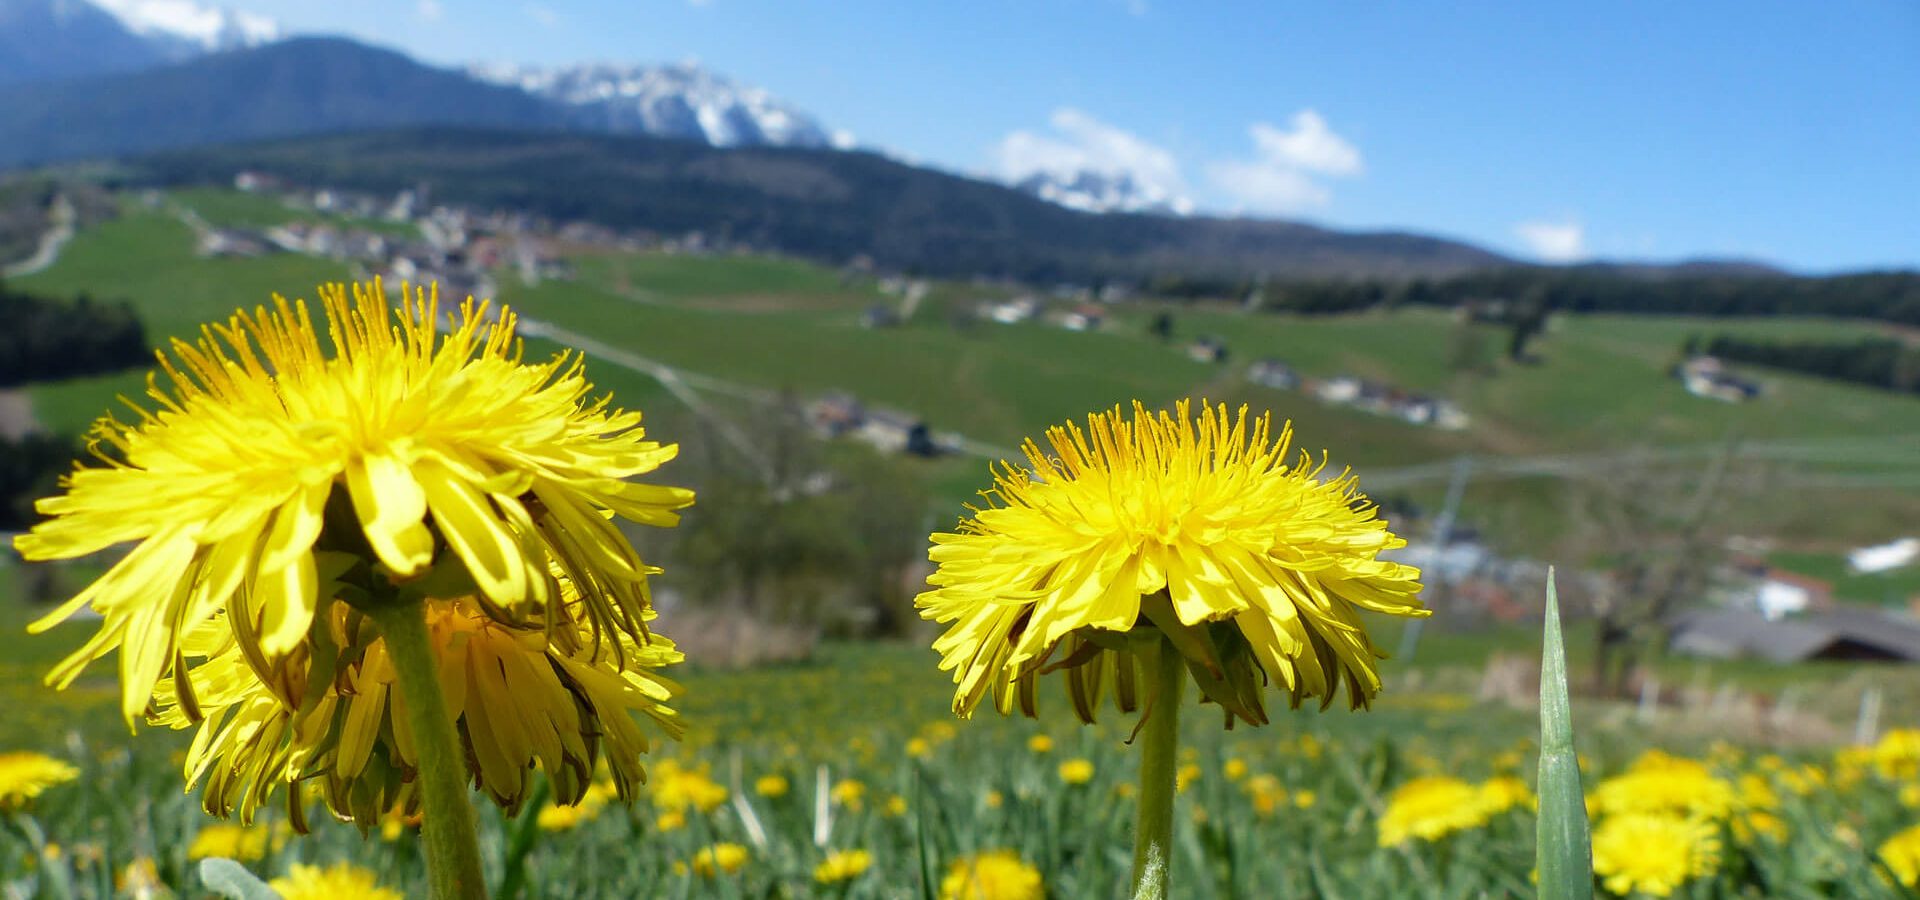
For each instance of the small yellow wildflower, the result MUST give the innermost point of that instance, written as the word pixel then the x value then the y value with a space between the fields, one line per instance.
pixel 919 748
pixel 1040 743
pixel 140 880
pixel 720 858
pixel 1897 755
pixel 1185 777
pixel 896 806
pixel 994 875
pixel 850 793
pixel 303 882
pixel 1430 808
pixel 1748 827
pixel 842 865
pixel 1659 784
pixel 1267 794
pixel 772 787
pixel 677 787
pixel 1505 792
pixel 995 799
pixel 1901 853
pixel 1305 799
pixel 671 820
pixel 1653 854
pixel 244 843
pixel 24 776
pixel 1235 769
pixel 1076 771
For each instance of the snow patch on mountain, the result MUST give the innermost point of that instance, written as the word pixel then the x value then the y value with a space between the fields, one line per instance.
pixel 677 101
pixel 187 28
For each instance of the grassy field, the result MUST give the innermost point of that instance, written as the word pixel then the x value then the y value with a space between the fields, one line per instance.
pixel 1293 809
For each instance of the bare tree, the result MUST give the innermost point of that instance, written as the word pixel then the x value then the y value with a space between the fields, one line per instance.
pixel 1659 532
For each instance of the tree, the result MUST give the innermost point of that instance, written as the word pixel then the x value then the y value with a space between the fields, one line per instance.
pixel 1659 531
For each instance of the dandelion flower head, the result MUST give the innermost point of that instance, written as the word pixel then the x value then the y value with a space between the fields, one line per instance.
pixel 993 875
pixel 1430 808
pixel 1653 854
pixel 1901 853
pixel 304 882
pixel 26 775
pixel 1195 528
pixel 274 473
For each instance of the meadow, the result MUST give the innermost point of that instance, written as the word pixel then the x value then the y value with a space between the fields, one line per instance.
pixel 847 776
pixel 1427 795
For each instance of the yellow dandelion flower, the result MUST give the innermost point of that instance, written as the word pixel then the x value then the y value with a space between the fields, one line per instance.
pixel 1910 795
pixel 1266 794
pixel 521 695
pixel 842 865
pixel 1076 771
pixel 274 471
pixel 1234 769
pixel 1305 799
pixel 140 880
pixel 1430 808
pixel 995 799
pixel 896 806
pixel 26 775
pixel 679 788
pixel 1252 568
pixel 1659 784
pixel 719 858
pixel 1901 853
pixel 1185 776
pixel 1040 743
pixel 993 875
pixel 559 817
pixel 1653 854
pixel 241 842
pixel 850 793
pixel 919 748
pixel 1897 754
pixel 771 787
pixel 671 820
pixel 1505 792
pixel 303 882
pixel 1749 827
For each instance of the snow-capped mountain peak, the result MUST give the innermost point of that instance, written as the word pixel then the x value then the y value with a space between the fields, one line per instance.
pixel 1094 191
pixel 192 28
pixel 680 101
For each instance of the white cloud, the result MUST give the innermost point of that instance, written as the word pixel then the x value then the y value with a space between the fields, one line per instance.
pixel 1281 178
pixel 428 10
pixel 1078 143
pixel 1562 241
pixel 542 14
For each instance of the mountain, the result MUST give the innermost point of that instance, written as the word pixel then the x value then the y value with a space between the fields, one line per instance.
pixel 44 40
pixel 824 204
pixel 1090 191
pixel 182 28
pixel 301 86
pixel 679 101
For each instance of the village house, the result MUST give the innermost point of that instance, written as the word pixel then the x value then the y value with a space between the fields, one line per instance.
pixel 1207 349
pixel 1274 374
pixel 1707 376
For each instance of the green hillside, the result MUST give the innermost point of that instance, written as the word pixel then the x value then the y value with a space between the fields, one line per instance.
pixel 765 324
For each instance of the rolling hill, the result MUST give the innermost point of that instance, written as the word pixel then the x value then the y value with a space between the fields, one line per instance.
pixel 821 204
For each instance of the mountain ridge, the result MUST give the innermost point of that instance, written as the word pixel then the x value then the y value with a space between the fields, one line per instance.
pixel 822 204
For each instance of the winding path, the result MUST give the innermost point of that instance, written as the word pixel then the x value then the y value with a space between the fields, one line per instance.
pixel 58 233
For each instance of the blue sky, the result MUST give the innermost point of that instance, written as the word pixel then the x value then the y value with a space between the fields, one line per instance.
pixel 1788 132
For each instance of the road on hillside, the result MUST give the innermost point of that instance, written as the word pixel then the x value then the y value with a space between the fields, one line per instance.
pixel 59 231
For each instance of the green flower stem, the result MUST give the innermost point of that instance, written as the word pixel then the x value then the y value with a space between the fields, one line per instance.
pixel 447 818
pixel 1159 751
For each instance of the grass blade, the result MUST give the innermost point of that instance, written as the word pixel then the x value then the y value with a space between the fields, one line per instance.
pixel 1562 851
